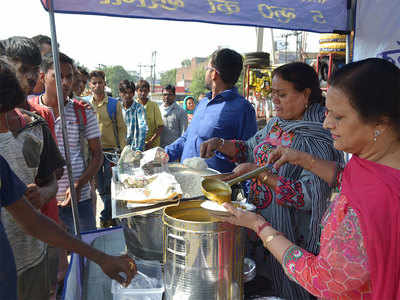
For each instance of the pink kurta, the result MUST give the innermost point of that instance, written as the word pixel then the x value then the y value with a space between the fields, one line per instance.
pixel 340 271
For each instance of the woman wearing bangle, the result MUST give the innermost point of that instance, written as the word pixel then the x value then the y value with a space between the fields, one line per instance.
pixel 294 199
pixel 360 240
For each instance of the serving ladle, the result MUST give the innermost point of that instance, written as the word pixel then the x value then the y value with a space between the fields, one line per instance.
pixel 220 191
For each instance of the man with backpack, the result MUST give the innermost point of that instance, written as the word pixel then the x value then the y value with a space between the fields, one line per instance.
pixel 81 124
pixel 27 145
pixel 113 138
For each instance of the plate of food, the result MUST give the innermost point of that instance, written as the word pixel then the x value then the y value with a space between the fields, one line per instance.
pixel 217 210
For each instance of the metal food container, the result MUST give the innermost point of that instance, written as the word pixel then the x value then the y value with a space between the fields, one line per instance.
pixel 203 258
pixel 144 236
pixel 144 233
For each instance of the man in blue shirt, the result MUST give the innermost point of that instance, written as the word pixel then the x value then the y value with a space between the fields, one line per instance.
pixel 223 113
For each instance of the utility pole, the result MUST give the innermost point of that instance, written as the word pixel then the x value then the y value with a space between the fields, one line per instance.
pixel 286 35
pixel 153 68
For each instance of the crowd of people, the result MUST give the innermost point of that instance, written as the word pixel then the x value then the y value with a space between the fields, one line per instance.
pixel 323 228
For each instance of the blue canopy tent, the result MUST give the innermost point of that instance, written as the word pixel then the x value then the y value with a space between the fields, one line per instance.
pixel 307 15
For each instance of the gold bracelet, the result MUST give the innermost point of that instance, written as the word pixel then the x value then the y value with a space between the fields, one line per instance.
pixel 265 179
pixel 269 238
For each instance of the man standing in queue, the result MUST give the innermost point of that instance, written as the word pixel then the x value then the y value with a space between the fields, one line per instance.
pixel 154 120
pixel 223 113
pixel 174 117
pixel 113 138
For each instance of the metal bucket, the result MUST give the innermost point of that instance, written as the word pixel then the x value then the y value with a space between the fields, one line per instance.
pixel 203 258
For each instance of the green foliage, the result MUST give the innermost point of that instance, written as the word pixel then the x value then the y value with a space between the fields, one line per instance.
pixel 114 74
pixel 168 77
pixel 198 84
pixel 186 63
pixel 239 83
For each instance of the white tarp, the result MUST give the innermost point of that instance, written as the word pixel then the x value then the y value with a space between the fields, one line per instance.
pixel 377 32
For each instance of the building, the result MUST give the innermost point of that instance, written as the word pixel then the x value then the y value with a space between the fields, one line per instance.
pixel 184 75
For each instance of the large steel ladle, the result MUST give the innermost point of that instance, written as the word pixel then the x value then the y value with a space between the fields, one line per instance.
pixel 220 191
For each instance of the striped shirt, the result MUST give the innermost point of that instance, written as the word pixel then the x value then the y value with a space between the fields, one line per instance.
pixel 92 131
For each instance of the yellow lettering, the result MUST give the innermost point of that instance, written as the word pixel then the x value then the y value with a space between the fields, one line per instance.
pixel 285 15
pixel 282 14
pixel 318 16
pixel 315 1
pixel 263 7
pixel 165 4
pixel 224 6
pixel 174 3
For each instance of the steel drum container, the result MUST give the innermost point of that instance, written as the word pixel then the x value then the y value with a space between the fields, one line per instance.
pixel 144 233
pixel 203 258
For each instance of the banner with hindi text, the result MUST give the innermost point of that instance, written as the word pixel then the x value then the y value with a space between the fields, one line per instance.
pixel 307 15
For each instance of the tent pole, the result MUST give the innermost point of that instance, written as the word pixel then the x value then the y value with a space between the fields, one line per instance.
pixel 260 38
pixel 55 51
pixel 351 24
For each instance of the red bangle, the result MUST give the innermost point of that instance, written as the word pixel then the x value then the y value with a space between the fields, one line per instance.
pixel 261 227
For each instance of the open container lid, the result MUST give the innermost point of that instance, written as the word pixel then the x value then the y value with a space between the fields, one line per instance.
pixel 188 178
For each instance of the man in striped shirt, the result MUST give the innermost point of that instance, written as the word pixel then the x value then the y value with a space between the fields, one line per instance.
pixel 81 176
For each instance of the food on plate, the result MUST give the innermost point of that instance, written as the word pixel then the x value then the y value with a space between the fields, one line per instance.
pixel 153 189
pixel 196 163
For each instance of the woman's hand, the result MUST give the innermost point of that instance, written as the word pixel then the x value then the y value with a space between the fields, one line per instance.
pixel 208 148
pixel 282 155
pixel 240 170
pixel 242 218
pixel 113 265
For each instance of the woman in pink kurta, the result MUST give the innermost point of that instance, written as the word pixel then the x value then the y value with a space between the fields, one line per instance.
pixel 359 254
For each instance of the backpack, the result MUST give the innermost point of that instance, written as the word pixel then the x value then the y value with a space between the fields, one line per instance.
pixel 112 113
pixel 80 113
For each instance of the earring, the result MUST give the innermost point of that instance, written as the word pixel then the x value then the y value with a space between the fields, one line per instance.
pixel 376 134
pixel 306 106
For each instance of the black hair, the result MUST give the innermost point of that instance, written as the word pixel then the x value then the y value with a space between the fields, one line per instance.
pixel 125 85
pixel 83 71
pixel 41 39
pixel 373 88
pixel 228 63
pixel 11 93
pixel 170 87
pixel 18 48
pixel 142 84
pixel 48 63
pixel 302 76
pixel 97 73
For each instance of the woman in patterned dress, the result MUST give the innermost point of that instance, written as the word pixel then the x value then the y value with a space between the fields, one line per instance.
pixel 360 240
pixel 293 199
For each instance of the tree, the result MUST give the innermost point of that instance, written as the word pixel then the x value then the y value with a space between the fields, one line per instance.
pixel 114 74
pixel 198 84
pixel 186 63
pixel 168 77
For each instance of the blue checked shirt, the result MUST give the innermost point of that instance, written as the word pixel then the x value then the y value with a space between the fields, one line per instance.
pixel 135 120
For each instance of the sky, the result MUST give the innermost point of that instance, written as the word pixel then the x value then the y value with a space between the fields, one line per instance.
pixel 94 40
